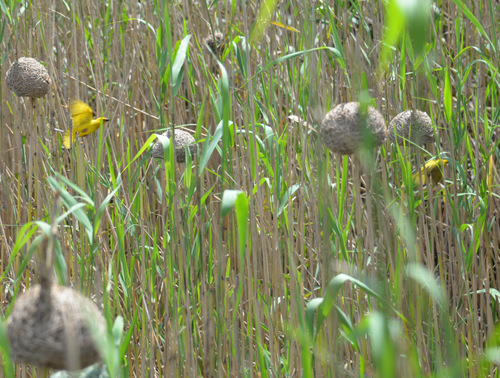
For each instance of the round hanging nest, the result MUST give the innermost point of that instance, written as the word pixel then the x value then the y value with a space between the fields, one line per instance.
pixel 411 125
pixel 53 327
pixel 215 43
pixel 344 129
pixel 28 78
pixel 182 139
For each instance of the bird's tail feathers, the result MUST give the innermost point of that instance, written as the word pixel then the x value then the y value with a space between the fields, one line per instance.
pixel 66 140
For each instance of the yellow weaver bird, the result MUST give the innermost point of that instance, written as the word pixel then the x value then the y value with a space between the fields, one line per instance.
pixel 433 169
pixel 83 122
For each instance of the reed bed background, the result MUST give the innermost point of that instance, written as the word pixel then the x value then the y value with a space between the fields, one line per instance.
pixel 267 255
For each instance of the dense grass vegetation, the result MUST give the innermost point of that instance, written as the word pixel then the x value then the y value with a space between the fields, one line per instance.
pixel 267 254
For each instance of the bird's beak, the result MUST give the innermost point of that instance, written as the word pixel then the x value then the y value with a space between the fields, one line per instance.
pixel 105 119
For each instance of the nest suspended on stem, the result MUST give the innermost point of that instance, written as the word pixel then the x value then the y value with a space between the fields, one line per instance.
pixel 28 78
pixel 54 327
pixel 345 129
pixel 411 125
pixel 215 42
pixel 182 139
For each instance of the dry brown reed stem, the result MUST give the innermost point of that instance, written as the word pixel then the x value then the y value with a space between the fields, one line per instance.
pixel 112 97
pixel 344 128
pixel 28 78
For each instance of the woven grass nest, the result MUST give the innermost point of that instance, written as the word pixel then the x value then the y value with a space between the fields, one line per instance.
pixel 28 78
pixel 411 125
pixel 50 326
pixel 343 129
pixel 215 42
pixel 182 139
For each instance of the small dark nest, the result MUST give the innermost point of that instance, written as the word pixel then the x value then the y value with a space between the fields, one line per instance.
pixel 411 125
pixel 182 139
pixel 344 130
pixel 28 78
pixel 215 42
pixel 51 327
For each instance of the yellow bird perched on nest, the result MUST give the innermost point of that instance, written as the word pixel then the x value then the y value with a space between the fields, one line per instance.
pixel 83 122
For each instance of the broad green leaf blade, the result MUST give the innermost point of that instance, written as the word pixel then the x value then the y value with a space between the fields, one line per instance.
pixel 476 22
pixel 5 352
pixel 103 205
pixel 332 290
pixel 427 281
pixel 383 347
pixel 209 147
pixel 177 67
pixel 165 142
pixel 82 193
pixel 24 234
pixel 266 10
pixel 447 95
pixel 228 200
pixel 493 355
pixel 71 210
pixel 395 22
pixel 27 258
pixel 336 40
pixel 418 15
pixel 241 206
pixel 286 197
pixel 73 205
pixel 117 330
pixel 5 11
pixel 311 309
pixel 144 147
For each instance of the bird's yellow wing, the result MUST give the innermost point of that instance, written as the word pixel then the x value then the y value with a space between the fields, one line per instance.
pixel 433 168
pixel 83 121
pixel 81 113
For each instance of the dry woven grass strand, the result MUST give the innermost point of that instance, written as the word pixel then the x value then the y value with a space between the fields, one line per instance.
pixel 181 140
pixel 411 125
pixel 28 78
pixel 343 129
pixel 53 327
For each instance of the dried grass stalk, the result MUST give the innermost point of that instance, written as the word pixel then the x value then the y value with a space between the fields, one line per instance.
pixel 28 78
pixel 54 326
pixel 344 129
pixel 411 125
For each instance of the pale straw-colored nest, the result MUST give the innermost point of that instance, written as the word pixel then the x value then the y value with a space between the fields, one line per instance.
pixel 183 142
pixel 54 327
pixel 414 126
pixel 28 78
pixel 215 42
pixel 345 130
